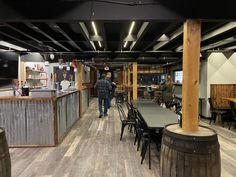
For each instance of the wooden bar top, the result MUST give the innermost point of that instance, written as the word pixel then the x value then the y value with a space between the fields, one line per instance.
pixel 29 98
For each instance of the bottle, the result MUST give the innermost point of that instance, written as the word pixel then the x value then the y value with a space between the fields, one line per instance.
pixel 25 89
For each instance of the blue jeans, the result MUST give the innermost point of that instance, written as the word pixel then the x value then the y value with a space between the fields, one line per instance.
pixel 102 102
pixel 109 100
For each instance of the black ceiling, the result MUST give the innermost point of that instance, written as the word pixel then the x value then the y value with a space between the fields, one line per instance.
pixel 48 27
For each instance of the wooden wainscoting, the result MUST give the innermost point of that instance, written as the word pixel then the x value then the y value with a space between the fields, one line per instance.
pixel 219 91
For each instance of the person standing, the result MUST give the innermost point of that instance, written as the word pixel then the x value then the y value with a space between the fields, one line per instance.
pixel 103 88
pixel 108 78
pixel 168 91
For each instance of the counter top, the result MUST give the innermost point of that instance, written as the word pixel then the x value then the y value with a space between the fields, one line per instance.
pixel 62 94
pixel 58 95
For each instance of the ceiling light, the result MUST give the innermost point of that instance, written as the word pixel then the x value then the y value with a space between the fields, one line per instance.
pixel 52 56
pixel 100 45
pixel 178 49
pixel 163 38
pixel 12 46
pixel 131 27
pixel 125 44
pixel 94 28
pixel 5 65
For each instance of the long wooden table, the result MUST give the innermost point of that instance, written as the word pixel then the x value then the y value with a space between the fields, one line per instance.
pixel 155 116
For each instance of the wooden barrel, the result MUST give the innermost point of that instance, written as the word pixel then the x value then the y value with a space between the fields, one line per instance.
pixel 5 161
pixel 190 154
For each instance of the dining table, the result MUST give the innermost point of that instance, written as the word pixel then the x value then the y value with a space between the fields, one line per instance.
pixel 230 99
pixel 155 116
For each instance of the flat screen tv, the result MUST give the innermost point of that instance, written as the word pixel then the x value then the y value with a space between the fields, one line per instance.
pixel 8 68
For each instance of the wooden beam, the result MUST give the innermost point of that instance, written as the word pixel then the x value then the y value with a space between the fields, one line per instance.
pixel 191 61
pixel 80 86
pixel 128 83
pixel 123 71
pixel 135 75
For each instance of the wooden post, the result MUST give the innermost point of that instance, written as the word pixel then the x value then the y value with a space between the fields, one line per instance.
pixel 128 83
pixel 191 61
pixel 135 69
pixel 80 86
pixel 125 81
pixel 123 76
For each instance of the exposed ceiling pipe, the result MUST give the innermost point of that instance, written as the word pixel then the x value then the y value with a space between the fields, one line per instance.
pixel 35 28
pixel 218 31
pixel 87 35
pixel 218 44
pixel 55 27
pixel 140 33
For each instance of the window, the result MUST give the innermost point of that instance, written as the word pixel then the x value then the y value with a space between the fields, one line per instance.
pixel 178 76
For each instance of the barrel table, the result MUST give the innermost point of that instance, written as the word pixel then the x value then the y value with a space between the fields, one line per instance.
pixel 190 154
pixel 5 161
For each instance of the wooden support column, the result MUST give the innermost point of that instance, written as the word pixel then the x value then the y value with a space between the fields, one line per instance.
pixel 128 84
pixel 80 86
pixel 125 81
pixel 191 61
pixel 135 75
pixel 123 74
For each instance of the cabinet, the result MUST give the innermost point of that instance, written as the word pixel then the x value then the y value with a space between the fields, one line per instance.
pixel 36 78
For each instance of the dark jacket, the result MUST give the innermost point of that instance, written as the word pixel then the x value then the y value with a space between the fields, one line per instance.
pixel 102 87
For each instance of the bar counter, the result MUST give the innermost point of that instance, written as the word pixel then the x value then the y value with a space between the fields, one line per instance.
pixel 30 121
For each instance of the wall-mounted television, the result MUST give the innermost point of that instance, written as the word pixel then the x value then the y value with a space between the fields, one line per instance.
pixel 8 67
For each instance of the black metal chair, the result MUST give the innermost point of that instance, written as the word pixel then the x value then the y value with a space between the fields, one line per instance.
pixel 147 136
pixel 124 119
pixel 131 114
pixel 233 114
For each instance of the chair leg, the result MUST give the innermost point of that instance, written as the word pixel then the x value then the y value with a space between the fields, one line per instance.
pixel 210 121
pixel 139 140
pixel 131 127
pixel 144 150
pixel 149 144
pixel 135 139
pixel 143 153
pixel 122 131
pixel 230 123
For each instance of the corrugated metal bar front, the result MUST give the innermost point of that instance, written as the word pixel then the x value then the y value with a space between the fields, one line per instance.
pixel 84 100
pixel 12 119
pixel 67 113
pixel 27 122
pixel 39 116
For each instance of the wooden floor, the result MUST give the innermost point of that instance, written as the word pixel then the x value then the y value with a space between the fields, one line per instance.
pixel 93 149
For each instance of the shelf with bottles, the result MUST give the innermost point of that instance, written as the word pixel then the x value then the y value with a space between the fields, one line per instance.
pixel 36 79
pixel 35 71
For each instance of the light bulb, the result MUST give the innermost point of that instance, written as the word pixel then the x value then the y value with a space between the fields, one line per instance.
pixel 52 56
pixel 68 68
pixel 75 70
pixel 60 67
pixel 5 65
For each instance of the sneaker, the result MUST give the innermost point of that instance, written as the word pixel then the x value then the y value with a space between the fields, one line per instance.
pixel 105 115
pixel 100 116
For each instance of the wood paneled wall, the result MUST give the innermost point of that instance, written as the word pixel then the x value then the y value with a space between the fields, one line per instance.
pixel 219 91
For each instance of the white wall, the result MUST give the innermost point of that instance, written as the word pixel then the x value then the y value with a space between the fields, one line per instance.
pixel 220 70
pixel 203 85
